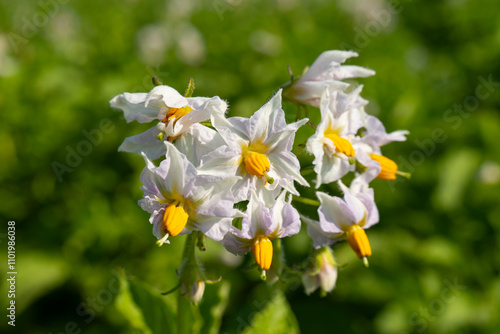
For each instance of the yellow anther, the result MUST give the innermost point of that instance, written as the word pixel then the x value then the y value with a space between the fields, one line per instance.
pixel 174 219
pixel 176 113
pixel 342 145
pixel 170 138
pixel 356 236
pixel 262 249
pixel 256 164
pixel 388 167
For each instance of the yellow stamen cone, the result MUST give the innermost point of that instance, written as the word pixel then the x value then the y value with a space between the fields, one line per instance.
pixel 176 113
pixel 257 164
pixel 262 249
pixel 174 219
pixel 342 145
pixel 356 236
pixel 388 167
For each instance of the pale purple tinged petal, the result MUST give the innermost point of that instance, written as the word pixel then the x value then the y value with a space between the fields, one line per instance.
pixel 291 221
pixel 320 238
pixel 157 221
pixel 355 205
pixel 334 214
pixel 236 245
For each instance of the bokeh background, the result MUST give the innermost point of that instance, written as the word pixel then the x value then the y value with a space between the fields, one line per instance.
pixel 436 262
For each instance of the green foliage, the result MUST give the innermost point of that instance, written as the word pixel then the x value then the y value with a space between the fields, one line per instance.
pixel 275 318
pixel 145 309
pixel 215 301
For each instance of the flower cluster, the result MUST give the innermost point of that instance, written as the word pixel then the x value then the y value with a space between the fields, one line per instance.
pixel 213 166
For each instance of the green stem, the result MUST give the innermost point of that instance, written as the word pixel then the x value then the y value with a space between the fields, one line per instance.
pixel 404 174
pixel 181 307
pixel 307 201
pixel 188 267
pixel 306 170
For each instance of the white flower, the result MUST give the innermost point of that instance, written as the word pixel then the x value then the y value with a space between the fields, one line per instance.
pixel 261 225
pixel 258 149
pixel 325 72
pixel 179 200
pixel 175 112
pixel 341 117
pixel 368 151
pixel 345 219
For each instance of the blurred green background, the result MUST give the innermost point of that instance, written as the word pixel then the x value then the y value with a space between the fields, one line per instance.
pixel 62 61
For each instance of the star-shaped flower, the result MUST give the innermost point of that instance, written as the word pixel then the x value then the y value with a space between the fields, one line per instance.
pixel 341 116
pixel 180 200
pixel 369 153
pixel 258 149
pixel 346 218
pixel 261 225
pixel 175 113
pixel 325 72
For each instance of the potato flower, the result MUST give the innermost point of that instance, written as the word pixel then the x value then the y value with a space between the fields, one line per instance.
pixel 258 149
pixel 180 200
pixel 175 113
pixel 262 224
pixel 341 117
pixel 346 218
pixel 325 72
pixel 368 148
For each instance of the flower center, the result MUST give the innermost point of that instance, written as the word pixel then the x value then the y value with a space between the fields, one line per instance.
pixel 262 249
pixel 174 219
pixel 356 236
pixel 388 167
pixel 342 145
pixel 176 113
pixel 256 163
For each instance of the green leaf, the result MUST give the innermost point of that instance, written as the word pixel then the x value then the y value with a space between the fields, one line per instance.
pixel 41 273
pixel 146 310
pixel 213 306
pixel 275 318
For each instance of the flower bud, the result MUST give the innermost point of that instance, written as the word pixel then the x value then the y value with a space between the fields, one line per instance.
pixel 323 273
pixel 195 291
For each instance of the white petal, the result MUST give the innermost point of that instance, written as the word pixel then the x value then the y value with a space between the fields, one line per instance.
pixel 327 66
pixel 198 141
pixel 213 227
pixel 146 142
pixel 352 71
pixel 170 97
pixel 309 92
pixel 286 163
pixel 134 107
pixel 181 170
